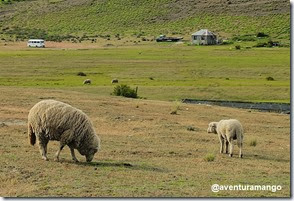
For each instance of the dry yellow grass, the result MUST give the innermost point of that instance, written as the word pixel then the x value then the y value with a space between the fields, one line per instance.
pixel 146 151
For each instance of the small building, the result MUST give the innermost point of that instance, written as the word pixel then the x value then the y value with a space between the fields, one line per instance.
pixel 204 37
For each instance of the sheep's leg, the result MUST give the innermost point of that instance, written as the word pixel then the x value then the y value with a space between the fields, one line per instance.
pixel 58 152
pixel 43 151
pixel 72 151
pixel 221 139
pixel 64 140
pixel 43 147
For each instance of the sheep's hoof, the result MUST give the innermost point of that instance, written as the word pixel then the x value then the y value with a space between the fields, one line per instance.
pixel 56 159
pixel 75 160
pixel 45 158
pixel 241 156
pixel 231 155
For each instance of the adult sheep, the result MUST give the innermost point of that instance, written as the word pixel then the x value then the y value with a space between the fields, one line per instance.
pixel 228 130
pixel 87 81
pixel 114 81
pixel 54 120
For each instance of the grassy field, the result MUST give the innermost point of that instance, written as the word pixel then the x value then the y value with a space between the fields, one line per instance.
pixel 145 151
pixel 153 146
pixel 161 71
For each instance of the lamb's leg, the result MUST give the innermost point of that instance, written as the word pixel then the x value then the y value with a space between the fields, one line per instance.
pixel 240 147
pixel 231 147
pixel 221 139
pixel 227 146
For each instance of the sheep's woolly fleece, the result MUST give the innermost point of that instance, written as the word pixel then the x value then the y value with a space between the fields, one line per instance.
pixel 54 120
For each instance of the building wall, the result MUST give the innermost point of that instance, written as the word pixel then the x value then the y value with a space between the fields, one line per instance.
pixel 203 40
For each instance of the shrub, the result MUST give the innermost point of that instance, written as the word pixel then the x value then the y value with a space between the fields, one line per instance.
pixel 260 44
pixel 209 157
pixel 125 90
pixel 270 78
pixel 244 38
pixel 226 42
pixel 253 143
pixel 191 128
pixel 261 35
pixel 269 43
pixel 176 107
pixel 238 47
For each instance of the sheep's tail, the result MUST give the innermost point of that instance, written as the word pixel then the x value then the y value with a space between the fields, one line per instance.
pixel 239 134
pixel 32 136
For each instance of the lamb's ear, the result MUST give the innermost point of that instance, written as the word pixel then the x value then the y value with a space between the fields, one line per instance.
pixel 214 124
pixel 213 127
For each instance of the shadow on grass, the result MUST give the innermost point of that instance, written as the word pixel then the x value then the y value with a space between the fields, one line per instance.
pixel 262 157
pixel 122 164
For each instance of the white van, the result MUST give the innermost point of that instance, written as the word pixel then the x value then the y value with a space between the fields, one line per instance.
pixel 36 43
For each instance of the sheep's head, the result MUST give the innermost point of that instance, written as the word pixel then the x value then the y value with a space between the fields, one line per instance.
pixel 90 154
pixel 212 127
pixel 90 149
pixel 93 148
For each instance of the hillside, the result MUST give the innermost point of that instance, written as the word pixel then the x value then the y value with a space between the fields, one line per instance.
pixel 145 18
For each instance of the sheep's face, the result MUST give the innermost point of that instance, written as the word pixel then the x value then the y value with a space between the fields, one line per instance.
pixel 212 127
pixel 90 154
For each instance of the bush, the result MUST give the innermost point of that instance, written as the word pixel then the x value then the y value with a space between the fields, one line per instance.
pixel 253 143
pixel 244 38
pixel 261 35
pixel 176 107
pixel 209 157
pixel 260 44
pixel 270 78
pixel 226 42
pixel 269 43
pixel 125 90
pixel 191 128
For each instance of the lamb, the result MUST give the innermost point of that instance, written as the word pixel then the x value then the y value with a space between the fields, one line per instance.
pixel 228 130
pixel 87 81
pixel 55 120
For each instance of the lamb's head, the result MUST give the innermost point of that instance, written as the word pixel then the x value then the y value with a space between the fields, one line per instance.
pixel 212 127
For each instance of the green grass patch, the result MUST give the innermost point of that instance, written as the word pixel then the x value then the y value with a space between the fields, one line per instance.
pixel 215 72
pixel 209 157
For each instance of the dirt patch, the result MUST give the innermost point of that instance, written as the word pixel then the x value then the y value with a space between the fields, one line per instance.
pixel 14 122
